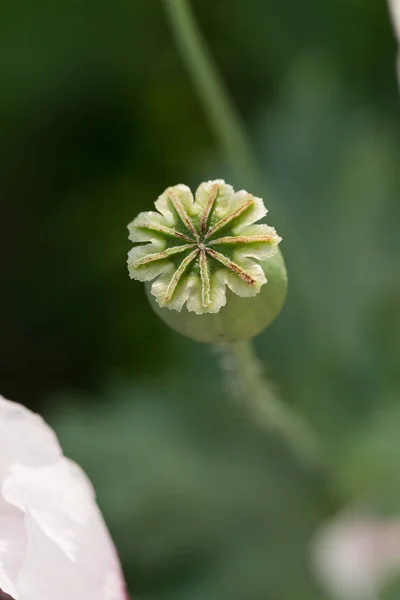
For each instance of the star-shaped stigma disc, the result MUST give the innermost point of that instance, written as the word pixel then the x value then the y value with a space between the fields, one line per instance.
pixel 196 247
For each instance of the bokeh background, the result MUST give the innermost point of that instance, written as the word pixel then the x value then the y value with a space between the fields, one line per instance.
pixel 98 116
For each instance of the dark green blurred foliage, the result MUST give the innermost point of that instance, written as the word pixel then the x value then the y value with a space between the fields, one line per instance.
pixel 392 591
pixel 98 116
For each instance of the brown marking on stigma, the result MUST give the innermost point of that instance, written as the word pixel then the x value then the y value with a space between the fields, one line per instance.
pixel 232 266
pixel 205 279
pixel 177 204
pixel 245 239
pixel 208 208
pixel 177 275
pixel 167 231
pixel 141 262
pixel 228 218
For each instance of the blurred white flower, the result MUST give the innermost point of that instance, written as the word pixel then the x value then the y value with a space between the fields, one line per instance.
pixel 394 6
pixel 54 544
pixel 355 556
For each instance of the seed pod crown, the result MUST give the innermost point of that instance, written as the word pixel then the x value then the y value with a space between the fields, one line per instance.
pixel 195 248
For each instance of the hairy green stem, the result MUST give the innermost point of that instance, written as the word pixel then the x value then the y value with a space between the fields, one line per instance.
pixel 245 368
pixel 220 110
pixel 248 385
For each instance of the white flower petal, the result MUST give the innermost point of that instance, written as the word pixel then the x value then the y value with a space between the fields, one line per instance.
pixel 54 544
pixel 355 556
pixel 394 5
pixel 13 544
pixel 24 438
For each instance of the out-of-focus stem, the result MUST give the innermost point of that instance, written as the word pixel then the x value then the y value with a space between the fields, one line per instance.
pixel 245 370
pixel 247 384
pixel 212 93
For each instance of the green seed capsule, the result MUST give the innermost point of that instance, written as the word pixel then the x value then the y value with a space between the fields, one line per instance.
pixel 240 319
pixel 216 273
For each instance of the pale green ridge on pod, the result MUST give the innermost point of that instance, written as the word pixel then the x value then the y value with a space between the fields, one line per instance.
pixel 241 318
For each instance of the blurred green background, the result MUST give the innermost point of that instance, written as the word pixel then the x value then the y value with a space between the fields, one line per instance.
pixel 98 116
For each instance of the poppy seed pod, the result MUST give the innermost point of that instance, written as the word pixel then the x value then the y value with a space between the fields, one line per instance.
pixel 217 275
